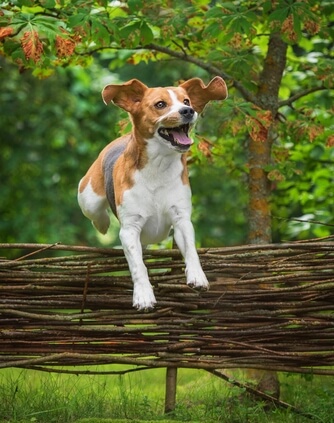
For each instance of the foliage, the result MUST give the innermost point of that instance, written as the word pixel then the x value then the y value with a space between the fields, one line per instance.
pixel 63 30
pixel 304 191
pixel 230 39
pixel 48 138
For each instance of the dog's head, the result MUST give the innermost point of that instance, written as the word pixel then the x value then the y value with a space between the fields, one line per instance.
pixel 166 114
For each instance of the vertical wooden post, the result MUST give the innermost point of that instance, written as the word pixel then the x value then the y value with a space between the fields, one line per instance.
pixel 171 372
pixel 170 395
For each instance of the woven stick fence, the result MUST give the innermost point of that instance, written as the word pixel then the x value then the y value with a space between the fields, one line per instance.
pixel 269 307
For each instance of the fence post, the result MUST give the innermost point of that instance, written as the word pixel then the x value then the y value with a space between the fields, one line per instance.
pixel 171 373
pixel 170 395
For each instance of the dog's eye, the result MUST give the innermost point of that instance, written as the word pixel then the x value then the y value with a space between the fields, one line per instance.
pixel 186 102
pixel 160 105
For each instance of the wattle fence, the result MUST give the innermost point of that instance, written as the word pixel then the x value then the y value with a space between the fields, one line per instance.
pixel 269 307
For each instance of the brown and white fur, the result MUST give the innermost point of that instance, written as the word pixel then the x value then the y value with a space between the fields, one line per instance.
pixel 143 176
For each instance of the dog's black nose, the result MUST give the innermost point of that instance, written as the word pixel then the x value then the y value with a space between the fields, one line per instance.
pixel 187 112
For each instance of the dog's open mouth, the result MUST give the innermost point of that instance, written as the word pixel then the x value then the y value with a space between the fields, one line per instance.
pixel 178 136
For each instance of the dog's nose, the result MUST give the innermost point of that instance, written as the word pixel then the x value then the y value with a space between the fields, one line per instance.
pixel 187 112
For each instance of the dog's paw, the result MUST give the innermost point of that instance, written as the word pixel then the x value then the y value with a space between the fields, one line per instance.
pixel 197 280
pixel 143 298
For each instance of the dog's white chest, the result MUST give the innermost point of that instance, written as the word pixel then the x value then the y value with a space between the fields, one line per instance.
pixel 157 197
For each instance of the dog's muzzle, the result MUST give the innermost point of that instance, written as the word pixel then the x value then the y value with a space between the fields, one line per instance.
pixel 178 136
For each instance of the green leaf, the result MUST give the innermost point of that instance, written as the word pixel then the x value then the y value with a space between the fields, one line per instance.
pixel 78 19
pixel 214 56
pixel 221 10
pixel 10 46
pixel 21 19
pixel 99 32
pixel 213 30
pixel 127 30
pixel 146 33
pixel 237 20
pixel 241 24
pixel 49 4
pixel 279 14
pixel 29 3
pixel 267 6
pixel 135 5
pixel 17 25
pixel 46 24
pixel 297 26
pixel 18 54
pixel 214 12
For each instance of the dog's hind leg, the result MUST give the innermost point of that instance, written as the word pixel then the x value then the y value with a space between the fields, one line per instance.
pixel 94 207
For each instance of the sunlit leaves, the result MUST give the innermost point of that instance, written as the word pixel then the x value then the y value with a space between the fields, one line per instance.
pixel 51 130
pixel 137 32
pixel 49 4
pixel 228 33
pixel 292 17
pixel 305 192
pixel 29 32
pixel 46 25
pixel 233 17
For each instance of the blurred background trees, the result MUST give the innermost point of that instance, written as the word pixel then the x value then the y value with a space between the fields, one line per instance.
pixel 56 56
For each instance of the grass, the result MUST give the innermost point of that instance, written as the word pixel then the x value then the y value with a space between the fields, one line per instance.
pixel 34 397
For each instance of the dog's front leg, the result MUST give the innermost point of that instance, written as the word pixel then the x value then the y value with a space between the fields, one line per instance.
pixel 185 239
pixel 143 296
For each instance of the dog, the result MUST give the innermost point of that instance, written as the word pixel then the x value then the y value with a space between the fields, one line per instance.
pixel 142 176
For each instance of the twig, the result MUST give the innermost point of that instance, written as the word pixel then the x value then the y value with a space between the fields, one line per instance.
pixel 261 394
pixel 300 94
pixel 294 219
pixel 37 251
pixel 84 294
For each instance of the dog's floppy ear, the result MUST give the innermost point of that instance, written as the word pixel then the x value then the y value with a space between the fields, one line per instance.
pixel 127 96
pixel 200 94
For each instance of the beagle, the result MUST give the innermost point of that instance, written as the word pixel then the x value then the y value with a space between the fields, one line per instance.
pixel 142 176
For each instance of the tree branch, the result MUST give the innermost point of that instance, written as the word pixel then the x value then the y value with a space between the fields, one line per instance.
pixel 183 56
pixel 213 70
pixel 247 95
pixel 271 76
pixel 299 95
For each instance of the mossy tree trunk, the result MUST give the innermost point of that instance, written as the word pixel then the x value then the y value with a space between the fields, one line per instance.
pixel 259 158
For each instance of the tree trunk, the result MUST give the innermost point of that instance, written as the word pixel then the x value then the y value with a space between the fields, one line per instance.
pixel 259 187
pixel 260 152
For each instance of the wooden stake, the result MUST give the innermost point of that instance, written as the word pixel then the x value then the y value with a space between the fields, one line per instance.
pixel 171 372
pixel 171 382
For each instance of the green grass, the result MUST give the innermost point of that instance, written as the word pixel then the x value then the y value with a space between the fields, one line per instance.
pixel 35 397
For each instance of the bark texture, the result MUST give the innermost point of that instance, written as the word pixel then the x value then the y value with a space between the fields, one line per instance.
pixel 259 186
pixel 260 152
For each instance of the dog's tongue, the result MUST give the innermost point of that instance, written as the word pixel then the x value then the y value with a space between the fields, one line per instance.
pixel 181 137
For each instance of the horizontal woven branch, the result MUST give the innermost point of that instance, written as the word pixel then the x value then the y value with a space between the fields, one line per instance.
pixel 269 307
